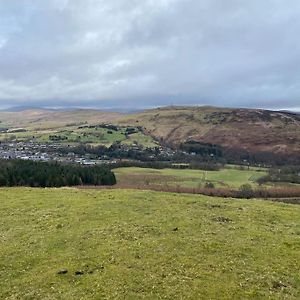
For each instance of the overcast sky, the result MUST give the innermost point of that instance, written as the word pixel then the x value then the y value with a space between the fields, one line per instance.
pixel 142 53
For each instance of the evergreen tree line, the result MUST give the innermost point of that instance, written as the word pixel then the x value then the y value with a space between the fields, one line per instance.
pixel 42 174
pixel 203 149
pixel 239 156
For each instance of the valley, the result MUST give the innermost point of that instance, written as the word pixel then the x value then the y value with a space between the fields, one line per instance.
pixel 149 150
pixel 259 135
pixel 174 203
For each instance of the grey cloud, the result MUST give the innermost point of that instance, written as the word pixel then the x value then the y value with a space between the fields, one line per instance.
pixel 143 53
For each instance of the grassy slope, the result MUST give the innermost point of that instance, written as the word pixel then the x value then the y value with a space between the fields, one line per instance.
pixel 231 178
pixel 45 119
pixel 43 123
pixel 126 239
pixel 95 136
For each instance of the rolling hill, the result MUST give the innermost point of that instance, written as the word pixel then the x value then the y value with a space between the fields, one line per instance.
pixel 252 130
pixel 249 130
pixel 47 118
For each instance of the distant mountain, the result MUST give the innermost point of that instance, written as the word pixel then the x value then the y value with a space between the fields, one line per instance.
pixel 109 109
pixel 41 118
pixel 250 130
pixel 23 108
pixel 290 112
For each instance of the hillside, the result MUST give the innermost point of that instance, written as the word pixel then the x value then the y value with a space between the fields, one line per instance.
pixel 47 119
pixel 252 130
pixel 126 244
pixel 249 130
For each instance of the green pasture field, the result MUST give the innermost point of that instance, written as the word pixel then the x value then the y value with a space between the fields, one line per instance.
pixel 129 244
pixel 95 136
pixel 225 178
pixel 141 139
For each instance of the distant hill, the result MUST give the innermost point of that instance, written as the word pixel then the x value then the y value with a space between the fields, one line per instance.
pixel 252 130
pixel 48 118
pixel 24 108
pixel 249 130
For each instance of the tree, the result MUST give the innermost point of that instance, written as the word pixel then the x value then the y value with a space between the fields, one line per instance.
pixel 209 185
pixel 246 191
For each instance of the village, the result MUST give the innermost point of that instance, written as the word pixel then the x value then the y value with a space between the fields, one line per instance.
pixel 84 155
pixel 45 153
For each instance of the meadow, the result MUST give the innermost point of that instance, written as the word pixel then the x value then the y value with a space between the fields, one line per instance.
pixel 76 135
pixel 224 178
pixel 128 244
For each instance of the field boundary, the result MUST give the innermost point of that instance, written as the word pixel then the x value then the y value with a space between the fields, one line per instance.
pixel 286 195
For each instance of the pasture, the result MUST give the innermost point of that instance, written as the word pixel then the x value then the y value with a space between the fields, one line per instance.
pixel 127 244
pixel 225 178
pixel 76 135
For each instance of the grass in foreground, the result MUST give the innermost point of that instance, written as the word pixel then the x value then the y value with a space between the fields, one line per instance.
pixel 145 245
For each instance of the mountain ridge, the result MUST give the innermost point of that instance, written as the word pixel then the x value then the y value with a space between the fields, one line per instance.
pixel 252 130
pixel 249 130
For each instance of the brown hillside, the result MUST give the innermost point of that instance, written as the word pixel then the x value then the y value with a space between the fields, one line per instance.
pixel 43 118
pixel 252 130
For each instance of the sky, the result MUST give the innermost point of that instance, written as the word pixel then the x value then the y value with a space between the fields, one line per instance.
pixel 145 53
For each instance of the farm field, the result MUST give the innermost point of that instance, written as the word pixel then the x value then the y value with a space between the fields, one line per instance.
pixel 225 178
pixel 127 244
pixel 75 135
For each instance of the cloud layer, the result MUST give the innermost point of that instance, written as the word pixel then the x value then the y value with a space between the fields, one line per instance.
pixel 151 52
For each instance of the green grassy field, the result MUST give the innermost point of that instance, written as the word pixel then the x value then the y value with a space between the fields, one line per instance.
pixel 90 136
pixel 73 135
pixel 127 244
pixel 228 177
